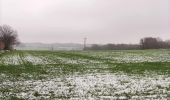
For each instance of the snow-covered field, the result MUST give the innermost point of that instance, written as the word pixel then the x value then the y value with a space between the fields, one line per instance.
pixel 98 86
pixel 85 75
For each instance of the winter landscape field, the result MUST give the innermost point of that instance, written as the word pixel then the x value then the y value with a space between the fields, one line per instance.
pixel 86 75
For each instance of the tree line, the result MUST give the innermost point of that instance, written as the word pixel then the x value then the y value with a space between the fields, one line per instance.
pixel 145 43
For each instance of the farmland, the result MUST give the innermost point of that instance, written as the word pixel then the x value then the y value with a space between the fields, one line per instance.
pixel 126 74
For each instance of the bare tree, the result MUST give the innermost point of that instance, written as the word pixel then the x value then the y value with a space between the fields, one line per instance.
pixel 8 36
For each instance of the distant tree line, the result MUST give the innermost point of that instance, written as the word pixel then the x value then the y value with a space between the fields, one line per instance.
pixel 113 47
pixel 154 43
pixel 145 43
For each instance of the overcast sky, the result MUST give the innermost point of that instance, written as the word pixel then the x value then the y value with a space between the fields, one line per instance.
pixel 101 21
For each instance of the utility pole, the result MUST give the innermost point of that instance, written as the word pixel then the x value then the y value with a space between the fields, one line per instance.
pixel 85 40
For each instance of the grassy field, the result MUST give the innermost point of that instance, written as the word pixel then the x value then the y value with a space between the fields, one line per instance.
pixel 91 75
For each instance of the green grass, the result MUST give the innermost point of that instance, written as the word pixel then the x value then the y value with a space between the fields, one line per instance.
pixel 61 68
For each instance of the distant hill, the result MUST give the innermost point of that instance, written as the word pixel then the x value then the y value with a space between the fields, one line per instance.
pixel 53 46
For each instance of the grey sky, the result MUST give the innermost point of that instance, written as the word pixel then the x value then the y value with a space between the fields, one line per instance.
pixel 101 21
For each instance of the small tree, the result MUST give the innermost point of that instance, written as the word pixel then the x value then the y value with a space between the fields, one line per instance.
pixel 8 36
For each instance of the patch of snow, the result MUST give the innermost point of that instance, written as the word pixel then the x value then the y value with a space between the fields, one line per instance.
pixel 102 86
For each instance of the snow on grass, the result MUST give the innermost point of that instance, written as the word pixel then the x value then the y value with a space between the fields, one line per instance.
pixel 133 56
pixel 96 85
pixel 54 59
pixel 34 59
pixel 142 58
pixel 93 86
pixel 77 60
pixel 16 59
pixel 10 60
